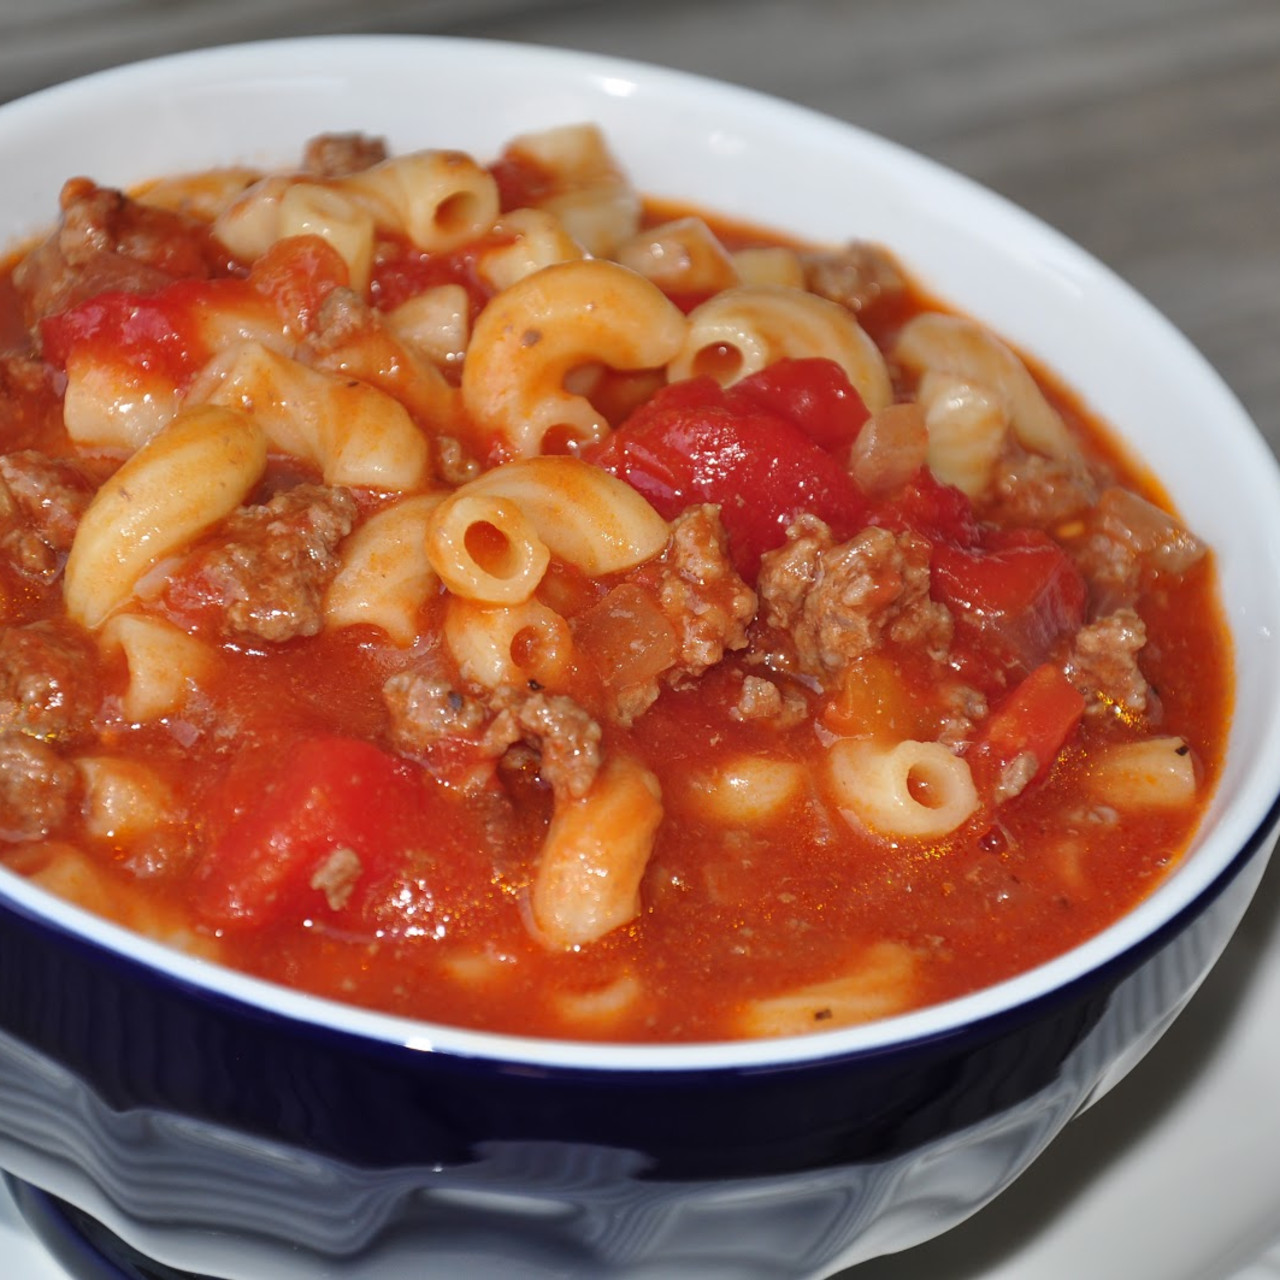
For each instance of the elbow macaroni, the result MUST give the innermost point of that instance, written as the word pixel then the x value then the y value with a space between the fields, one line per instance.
pixel 748 790
pixel 185 479
pixel 108 405
pixel 683 256
pixel 508 645
pixel 372 359
pixel 485 548
pixel 1153 773
pixel 278 207
pixel 908 790
pixel 166 665
pixel 589 196
pixel 777 267
pixel 534 334
pixel 966 427
pixel 434 325
pixel 740 331
pixel 964 349
pixel 539 507
pixel 385 576
pixel 439 199
pixel 123 798
pixel 535 239
pixel 309 209
pixel 355 434
pixel 881 983
pixel 593 858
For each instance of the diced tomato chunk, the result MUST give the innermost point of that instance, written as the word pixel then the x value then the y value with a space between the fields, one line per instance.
pixel 1035 721
pixel 1017 587
pixel 296 274
pixel 940 512
pixel 165 332
pixel 815 394
pixel 156 331
pixel 294 833
pixel 696 442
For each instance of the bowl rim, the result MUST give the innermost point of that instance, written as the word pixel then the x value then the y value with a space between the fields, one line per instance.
pixel 1240 835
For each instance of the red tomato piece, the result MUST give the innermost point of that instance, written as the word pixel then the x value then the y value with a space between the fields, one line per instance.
pixel 296 275
pixel 284 820
pixel 693 442
pixel 1018 587
pixel 522 183
pixel 940 512
pixel 163 331
pixel 402 271
pixel 1037 720
pixel 815 394
pixel 150 331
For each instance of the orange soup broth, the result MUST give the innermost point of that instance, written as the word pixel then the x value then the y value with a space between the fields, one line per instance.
pixel 728 914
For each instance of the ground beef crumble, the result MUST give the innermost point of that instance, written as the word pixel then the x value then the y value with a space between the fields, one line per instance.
pixel 457 734
pixel 38 788
pixel 683 610
pixel 1103 663
pixel 840 601
pixel 566 737
pixel 107 241
pixel 338 155
pixel 854 276
pixel 48 683
pixel 701 594
pixel 964 709
pixel 1030 489
pixel 267 567
pixel 764 701
pixel 41 502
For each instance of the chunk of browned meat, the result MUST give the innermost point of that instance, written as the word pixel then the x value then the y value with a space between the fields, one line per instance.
pixel 1030 489
pixel 963 708
pixel 335 155
pixel 426 709
pixel 840 601
pixel 566 738
pixel 267 567
pixel 671 619
pixel 855 276
pixel 41 502
pixel 341 317
pixel 1103 663
pixel 38 788
pixel 765 702
pixel 30 399
pixel 458 735
pixel 106 241
pixel 701 593
pixel 48 681
pixel 24 375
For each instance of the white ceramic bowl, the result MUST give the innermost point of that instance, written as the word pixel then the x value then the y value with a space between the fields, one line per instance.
pixel 225 1126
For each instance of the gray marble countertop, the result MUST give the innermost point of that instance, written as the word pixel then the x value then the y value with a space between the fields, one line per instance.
pixel 1147 130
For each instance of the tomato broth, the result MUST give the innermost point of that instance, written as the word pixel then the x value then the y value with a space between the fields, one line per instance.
pixel 917 685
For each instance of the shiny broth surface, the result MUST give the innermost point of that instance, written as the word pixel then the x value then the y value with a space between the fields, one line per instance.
pixel 462 588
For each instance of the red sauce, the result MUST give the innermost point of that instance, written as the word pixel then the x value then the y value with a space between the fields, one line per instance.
pixel 436 923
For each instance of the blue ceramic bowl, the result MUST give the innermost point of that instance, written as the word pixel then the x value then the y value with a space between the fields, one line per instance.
pixel 225 1126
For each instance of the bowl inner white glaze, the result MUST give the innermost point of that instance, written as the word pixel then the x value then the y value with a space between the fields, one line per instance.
pixel 738 153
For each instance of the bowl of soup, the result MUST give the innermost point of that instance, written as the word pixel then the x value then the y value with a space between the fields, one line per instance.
pixel 602 675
